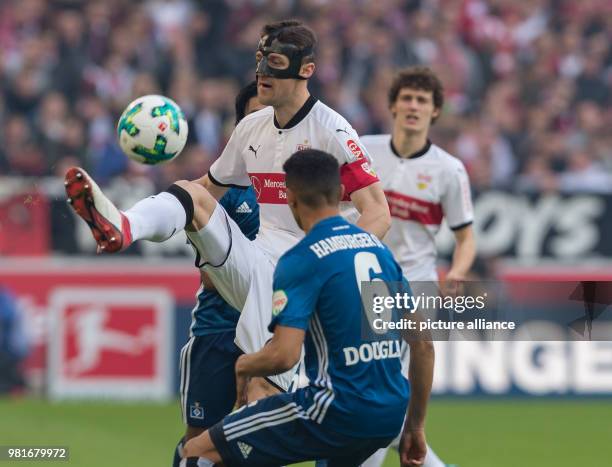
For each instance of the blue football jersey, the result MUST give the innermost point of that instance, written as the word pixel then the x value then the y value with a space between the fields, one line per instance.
pixel 356 386
pixel 212 314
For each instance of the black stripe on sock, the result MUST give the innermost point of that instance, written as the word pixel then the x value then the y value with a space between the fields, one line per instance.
pixel 185 199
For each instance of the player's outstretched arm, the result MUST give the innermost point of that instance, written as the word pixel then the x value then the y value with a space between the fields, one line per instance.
pixel 413 446
pixel 216 191
pixel 372 205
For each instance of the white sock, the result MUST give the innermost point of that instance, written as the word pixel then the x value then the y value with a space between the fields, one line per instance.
pixel 377 459
pixel 203 462
pixel 432 459
pixel 156 218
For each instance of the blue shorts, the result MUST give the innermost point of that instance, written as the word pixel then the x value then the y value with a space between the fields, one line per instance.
pixel 275 431
pixel 208 381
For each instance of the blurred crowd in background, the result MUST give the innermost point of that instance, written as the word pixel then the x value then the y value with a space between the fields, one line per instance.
pixel 528 83
pixel 528 90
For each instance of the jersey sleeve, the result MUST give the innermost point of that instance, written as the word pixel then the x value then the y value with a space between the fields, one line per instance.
pixel 457 198
pixel 229 169
pixel 355 162
pixel 296 290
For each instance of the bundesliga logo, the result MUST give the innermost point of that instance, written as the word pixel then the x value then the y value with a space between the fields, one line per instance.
pixel 279 302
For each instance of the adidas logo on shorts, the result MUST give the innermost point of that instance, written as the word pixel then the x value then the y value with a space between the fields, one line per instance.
pixel 244 208
pixel 245 449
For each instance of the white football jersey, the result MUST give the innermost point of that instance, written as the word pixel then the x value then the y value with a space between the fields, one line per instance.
pixel 421 191
pixel 258 148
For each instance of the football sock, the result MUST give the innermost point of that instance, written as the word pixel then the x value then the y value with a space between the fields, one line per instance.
pixel 377 459
pixel 185 199
pixel 432 459
pixel 176 461
pixel 157 218
pixel 196 462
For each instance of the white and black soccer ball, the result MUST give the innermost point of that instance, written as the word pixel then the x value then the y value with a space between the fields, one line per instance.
pixel 152 130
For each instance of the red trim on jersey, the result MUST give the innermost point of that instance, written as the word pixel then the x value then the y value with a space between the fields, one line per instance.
pixel 355 176
pixel 270 188
pixel 413 209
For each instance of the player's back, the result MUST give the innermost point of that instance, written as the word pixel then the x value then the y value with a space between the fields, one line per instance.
pixel 353 377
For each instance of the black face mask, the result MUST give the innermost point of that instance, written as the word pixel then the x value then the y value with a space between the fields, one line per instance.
pixel 271 44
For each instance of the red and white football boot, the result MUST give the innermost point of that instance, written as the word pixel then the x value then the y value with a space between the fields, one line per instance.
pixel 109 226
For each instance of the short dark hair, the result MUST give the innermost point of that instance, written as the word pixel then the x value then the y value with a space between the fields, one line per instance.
pixel 242 100
pixel 418 77
pixel 292 31
pixel 314 177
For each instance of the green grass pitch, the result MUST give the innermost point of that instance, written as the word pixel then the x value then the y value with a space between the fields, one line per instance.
pixel 472 433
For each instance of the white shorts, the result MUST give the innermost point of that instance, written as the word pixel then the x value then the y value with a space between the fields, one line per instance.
pixel 243 277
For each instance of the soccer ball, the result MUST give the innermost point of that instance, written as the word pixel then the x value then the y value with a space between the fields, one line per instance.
pixel 152 130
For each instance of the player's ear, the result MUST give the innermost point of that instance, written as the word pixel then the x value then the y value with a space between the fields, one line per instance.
pixel 290 197
pixel 393 109
pixel 436 113
pixel 307 70
pixel 342 191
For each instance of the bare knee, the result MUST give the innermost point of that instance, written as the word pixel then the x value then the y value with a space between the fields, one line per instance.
pixel 260 388
pixel 203 203
pixel 202 446
pixel 193 431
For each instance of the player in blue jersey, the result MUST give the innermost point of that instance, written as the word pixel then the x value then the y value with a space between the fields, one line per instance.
pixel 356 398
pixel 207 380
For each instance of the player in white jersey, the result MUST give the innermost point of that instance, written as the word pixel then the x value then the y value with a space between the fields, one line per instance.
pixel 423 184
pixel 242 270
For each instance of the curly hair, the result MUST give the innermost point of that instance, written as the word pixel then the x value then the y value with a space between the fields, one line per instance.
pixel 421 78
